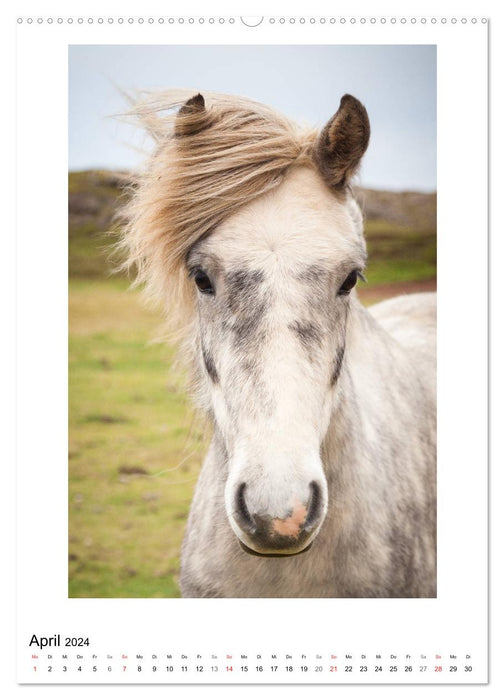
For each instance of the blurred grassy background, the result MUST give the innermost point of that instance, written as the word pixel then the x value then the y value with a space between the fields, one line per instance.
pixel 134 448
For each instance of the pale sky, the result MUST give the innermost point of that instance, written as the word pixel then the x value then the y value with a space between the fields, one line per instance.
pixel 397 84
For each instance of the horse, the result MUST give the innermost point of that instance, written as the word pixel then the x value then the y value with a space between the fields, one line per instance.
pixel 320 478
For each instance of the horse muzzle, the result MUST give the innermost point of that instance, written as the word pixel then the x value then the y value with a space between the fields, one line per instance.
pixel 269 536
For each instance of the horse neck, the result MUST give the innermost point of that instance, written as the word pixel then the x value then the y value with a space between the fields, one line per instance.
pixel 371 379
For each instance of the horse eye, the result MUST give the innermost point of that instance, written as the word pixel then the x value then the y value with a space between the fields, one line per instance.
pixel 203 282
pixel 348 284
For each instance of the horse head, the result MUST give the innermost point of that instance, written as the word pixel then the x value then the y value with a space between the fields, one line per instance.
pixel 246 226
pixel 273 290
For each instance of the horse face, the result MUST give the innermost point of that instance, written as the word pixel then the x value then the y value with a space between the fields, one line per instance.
pixel 273 286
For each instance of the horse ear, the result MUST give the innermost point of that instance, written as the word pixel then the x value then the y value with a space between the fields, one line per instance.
pixel 343 142
pixel 191 117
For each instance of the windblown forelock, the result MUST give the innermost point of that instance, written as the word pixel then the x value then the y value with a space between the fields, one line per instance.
pixel 197 177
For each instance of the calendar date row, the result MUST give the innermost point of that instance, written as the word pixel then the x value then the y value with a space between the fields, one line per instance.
pixel 275 668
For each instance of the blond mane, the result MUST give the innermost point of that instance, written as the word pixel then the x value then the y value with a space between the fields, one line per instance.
pixel 203 169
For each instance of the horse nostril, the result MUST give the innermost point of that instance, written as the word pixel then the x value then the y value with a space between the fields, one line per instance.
pixel 314 506
pixel 242 513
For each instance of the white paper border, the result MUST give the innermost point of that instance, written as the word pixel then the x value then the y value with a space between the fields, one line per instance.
pixel 461 209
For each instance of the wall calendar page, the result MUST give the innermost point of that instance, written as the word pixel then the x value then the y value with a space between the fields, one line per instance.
pixel 252 379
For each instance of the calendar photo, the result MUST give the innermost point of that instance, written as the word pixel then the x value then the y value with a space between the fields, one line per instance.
pixel 277 436
pixel 252 350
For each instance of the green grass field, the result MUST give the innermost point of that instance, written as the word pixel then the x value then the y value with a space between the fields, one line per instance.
pixel 133 454
pixel 135 447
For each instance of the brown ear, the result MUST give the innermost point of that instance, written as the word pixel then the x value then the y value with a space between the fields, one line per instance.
pixel 192 117
pixel 343 142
